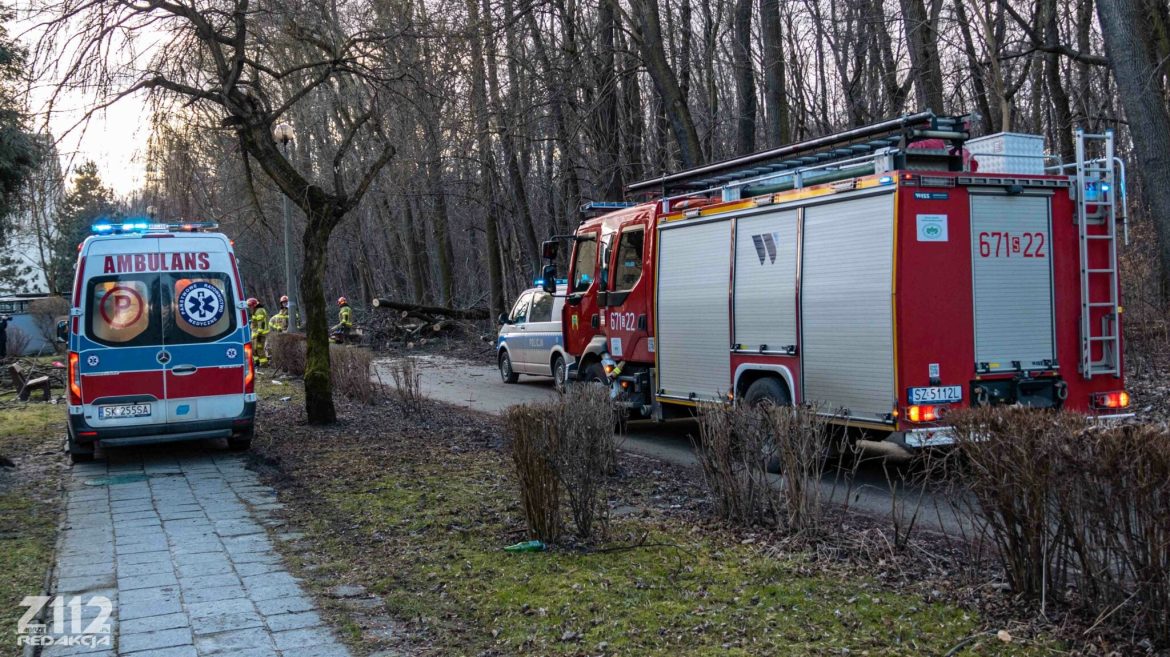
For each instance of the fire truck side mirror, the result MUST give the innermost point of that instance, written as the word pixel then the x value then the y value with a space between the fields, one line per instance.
pixel 549 250
pixel 549 278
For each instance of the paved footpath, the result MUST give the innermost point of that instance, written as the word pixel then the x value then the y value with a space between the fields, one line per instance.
pixel 173 537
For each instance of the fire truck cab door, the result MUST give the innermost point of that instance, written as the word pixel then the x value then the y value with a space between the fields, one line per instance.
pixel 1012 271
pixel 581 296
pixel 627 306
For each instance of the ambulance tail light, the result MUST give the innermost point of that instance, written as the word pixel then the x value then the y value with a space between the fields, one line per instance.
pixel 74 379
pixel 924 413
pixel 1111 400
pixel 249 370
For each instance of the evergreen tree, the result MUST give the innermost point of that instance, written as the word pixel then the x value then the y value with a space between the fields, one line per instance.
pixel 17 145
pixel 87 200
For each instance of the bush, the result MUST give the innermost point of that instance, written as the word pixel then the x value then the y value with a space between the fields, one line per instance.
pixel 45 313
pixel 286 352
pixel 565 445
pixel 350 370
pixel 407 383
pixel 18 342
pixel 737 445
pixel 1074 507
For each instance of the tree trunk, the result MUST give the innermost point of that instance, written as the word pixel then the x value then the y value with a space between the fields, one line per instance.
pixel 977 83
pixel 745 79
pixel 318 377
pixel 922 43
pixel 674 105
pixel 1134 64
pixel 775 86
pixel 1061 123
pixel 606 115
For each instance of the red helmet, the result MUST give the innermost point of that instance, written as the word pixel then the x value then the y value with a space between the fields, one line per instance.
pixel 342 301
pixel 284 298
pixel 253 302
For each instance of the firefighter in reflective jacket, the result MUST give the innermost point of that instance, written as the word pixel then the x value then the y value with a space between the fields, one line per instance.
pixel 259 330
pixel 341 331
pixel 279 321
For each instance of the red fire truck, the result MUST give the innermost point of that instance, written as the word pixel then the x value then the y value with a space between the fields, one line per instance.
pixel 888 273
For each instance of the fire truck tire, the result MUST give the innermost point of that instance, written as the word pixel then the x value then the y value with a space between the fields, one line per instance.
pixel 768 391
pixel 506 373
pixel 595 373
pixel 560 373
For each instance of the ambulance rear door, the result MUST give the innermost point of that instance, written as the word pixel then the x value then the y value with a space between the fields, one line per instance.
pixel 203 329
pixel 121 357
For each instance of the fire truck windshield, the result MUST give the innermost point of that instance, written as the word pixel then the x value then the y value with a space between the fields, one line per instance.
pixel 584 263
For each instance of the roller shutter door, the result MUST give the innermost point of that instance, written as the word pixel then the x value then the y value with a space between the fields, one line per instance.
pixel 765 281
pixel 846 314
pixel 694 342
pixel 1012 269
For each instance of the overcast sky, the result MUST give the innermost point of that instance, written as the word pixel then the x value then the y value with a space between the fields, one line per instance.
pixel 114 138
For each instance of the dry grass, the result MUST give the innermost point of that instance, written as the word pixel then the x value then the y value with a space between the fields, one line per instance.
pixel 407 383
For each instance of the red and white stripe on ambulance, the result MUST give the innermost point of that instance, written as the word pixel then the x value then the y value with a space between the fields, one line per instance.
pixel 159 325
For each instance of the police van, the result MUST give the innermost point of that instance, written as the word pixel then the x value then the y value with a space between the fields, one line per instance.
pixel 530 338
pixel 159 339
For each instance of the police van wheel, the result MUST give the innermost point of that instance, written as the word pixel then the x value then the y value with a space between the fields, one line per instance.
pixel 560 373
pixel 768 391
pixel 506 373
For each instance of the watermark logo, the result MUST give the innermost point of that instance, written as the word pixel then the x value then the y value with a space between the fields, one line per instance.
pixel 73 623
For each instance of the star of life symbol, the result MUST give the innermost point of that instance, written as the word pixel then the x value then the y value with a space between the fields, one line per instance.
pixel 231 352
pixel 93 361
pixel 201 304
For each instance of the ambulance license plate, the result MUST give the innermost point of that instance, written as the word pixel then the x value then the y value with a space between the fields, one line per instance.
pixel 936 394
pixel 123 410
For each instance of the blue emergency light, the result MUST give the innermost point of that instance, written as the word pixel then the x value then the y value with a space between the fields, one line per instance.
pixel 886 180
pixel 540 282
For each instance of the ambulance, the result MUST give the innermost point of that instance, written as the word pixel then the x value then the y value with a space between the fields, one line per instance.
pixel 159 339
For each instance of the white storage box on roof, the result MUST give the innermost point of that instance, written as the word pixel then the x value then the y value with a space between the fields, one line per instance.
pixel 1009 152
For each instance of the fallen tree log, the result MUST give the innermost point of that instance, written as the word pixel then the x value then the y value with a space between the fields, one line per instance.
pixel 455 313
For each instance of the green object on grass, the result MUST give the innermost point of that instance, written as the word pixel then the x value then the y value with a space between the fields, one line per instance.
pixel 526 546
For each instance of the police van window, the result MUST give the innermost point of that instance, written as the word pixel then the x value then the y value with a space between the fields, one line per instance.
pixel 628 268
pixel 197 307
pixel 542 307
pixel 122 311
pixel 585 264
pixel 520 310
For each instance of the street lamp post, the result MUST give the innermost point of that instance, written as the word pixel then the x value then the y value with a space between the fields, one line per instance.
pixel 284 134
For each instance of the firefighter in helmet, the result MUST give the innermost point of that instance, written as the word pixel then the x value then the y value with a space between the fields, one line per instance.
pixel 279 321
pixel 341 331
pixel 259 330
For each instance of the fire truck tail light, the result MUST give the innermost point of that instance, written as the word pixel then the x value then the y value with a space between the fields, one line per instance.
pixel 1118 399
pixel 919 413
pixel 74 378
pixel 249 370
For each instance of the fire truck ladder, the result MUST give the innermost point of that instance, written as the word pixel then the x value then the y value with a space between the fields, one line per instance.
pixel 1097 206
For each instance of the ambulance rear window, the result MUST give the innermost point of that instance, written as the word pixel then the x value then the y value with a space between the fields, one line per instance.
pixel 123 311
pixel 197 307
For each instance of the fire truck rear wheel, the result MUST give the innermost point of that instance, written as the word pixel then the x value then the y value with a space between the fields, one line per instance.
pixel 595 373
pixel 507 375
pixel 771 392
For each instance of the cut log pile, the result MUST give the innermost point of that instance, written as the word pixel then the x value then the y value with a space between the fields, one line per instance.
pixel 415 324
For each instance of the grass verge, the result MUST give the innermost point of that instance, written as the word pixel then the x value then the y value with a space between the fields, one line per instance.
pixel 416 507
pixel 30 436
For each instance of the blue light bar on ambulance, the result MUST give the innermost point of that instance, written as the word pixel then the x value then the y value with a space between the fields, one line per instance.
pixel 886 180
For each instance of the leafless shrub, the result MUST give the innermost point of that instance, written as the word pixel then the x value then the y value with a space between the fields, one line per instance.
pixel 733 452
pixel 18 341
pixel 407 383
pixel 350 371
pixel 801 440
pixel 534 447
pixel 45 313
pixel 1073 507
pixel 286 352
pixel 564 446
pixel 586 452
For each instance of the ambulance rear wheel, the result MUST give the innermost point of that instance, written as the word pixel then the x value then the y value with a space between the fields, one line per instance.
pixel 240 443
pixel 768 392
pixel 507 375
pixel 79 453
